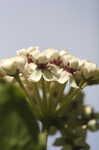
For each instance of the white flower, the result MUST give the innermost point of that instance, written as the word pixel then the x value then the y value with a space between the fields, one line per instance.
pixel 34 72
pixel 25 52
pixel 64 77
pixel 31 72
pixel 10 66
pixel 51 54
pixel 74 63
pixel 63 53
pixel 66 58
pixel 88 68
pixel 22 52
pixel 40 57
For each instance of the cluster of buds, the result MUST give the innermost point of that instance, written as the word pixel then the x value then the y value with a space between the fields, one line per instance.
pixel 50 71
pixel 74 127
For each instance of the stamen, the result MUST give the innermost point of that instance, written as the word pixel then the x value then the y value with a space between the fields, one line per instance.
pixel 42 66
pixel 70 70
pixel 57 62
pixel 29 60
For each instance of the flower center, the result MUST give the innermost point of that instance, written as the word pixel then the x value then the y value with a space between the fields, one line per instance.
pixel 56 62
pixel 70 70
pixel 42 66
pixel 29 60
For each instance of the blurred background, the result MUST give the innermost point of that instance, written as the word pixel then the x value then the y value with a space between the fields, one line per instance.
pixel 71 24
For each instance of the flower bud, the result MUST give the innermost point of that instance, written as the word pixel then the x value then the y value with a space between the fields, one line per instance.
pixel 88 68
pixel 92 125
pixel 88 110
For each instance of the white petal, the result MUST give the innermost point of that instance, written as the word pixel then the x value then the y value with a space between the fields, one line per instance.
pixel 53 73
pixel 35 76
pixel 22 52
pixel 42 58
pixel 51 54
pixel 32 49
pixel 63 53
pixel 55 70
pixel 35 54
pixel 66 59
pixel 64 77
pixel 88 68
pixel 48 76
pixel 74 63
pixel 25 52
pixel 29 69
pixel 31 72
pixel 73 83
pixel 12 65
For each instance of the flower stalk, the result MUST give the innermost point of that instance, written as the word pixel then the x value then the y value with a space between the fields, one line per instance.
pixel 43 137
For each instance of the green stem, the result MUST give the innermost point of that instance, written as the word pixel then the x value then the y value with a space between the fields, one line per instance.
pixel 69 99
pixel 28 98
pixel 43 136
pixel 45 100
pixel 22 86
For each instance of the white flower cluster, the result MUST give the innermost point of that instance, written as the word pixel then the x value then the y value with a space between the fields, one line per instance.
pixel 50 64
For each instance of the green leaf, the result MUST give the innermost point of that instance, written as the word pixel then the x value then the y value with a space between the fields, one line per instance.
pixel 18 127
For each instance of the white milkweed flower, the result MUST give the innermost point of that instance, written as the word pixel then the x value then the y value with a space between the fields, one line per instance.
pixel 11 66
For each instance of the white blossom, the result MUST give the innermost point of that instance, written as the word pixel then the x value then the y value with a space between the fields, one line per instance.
pixel 33 73
pixel 88 68
pixel 64 77
pixel 10 66
pixel 74 63
pixel 66 58
pixel 25 52
pixel 51 54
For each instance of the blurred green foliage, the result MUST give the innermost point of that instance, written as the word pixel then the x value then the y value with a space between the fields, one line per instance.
pixel 18 126
pixel 20 130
